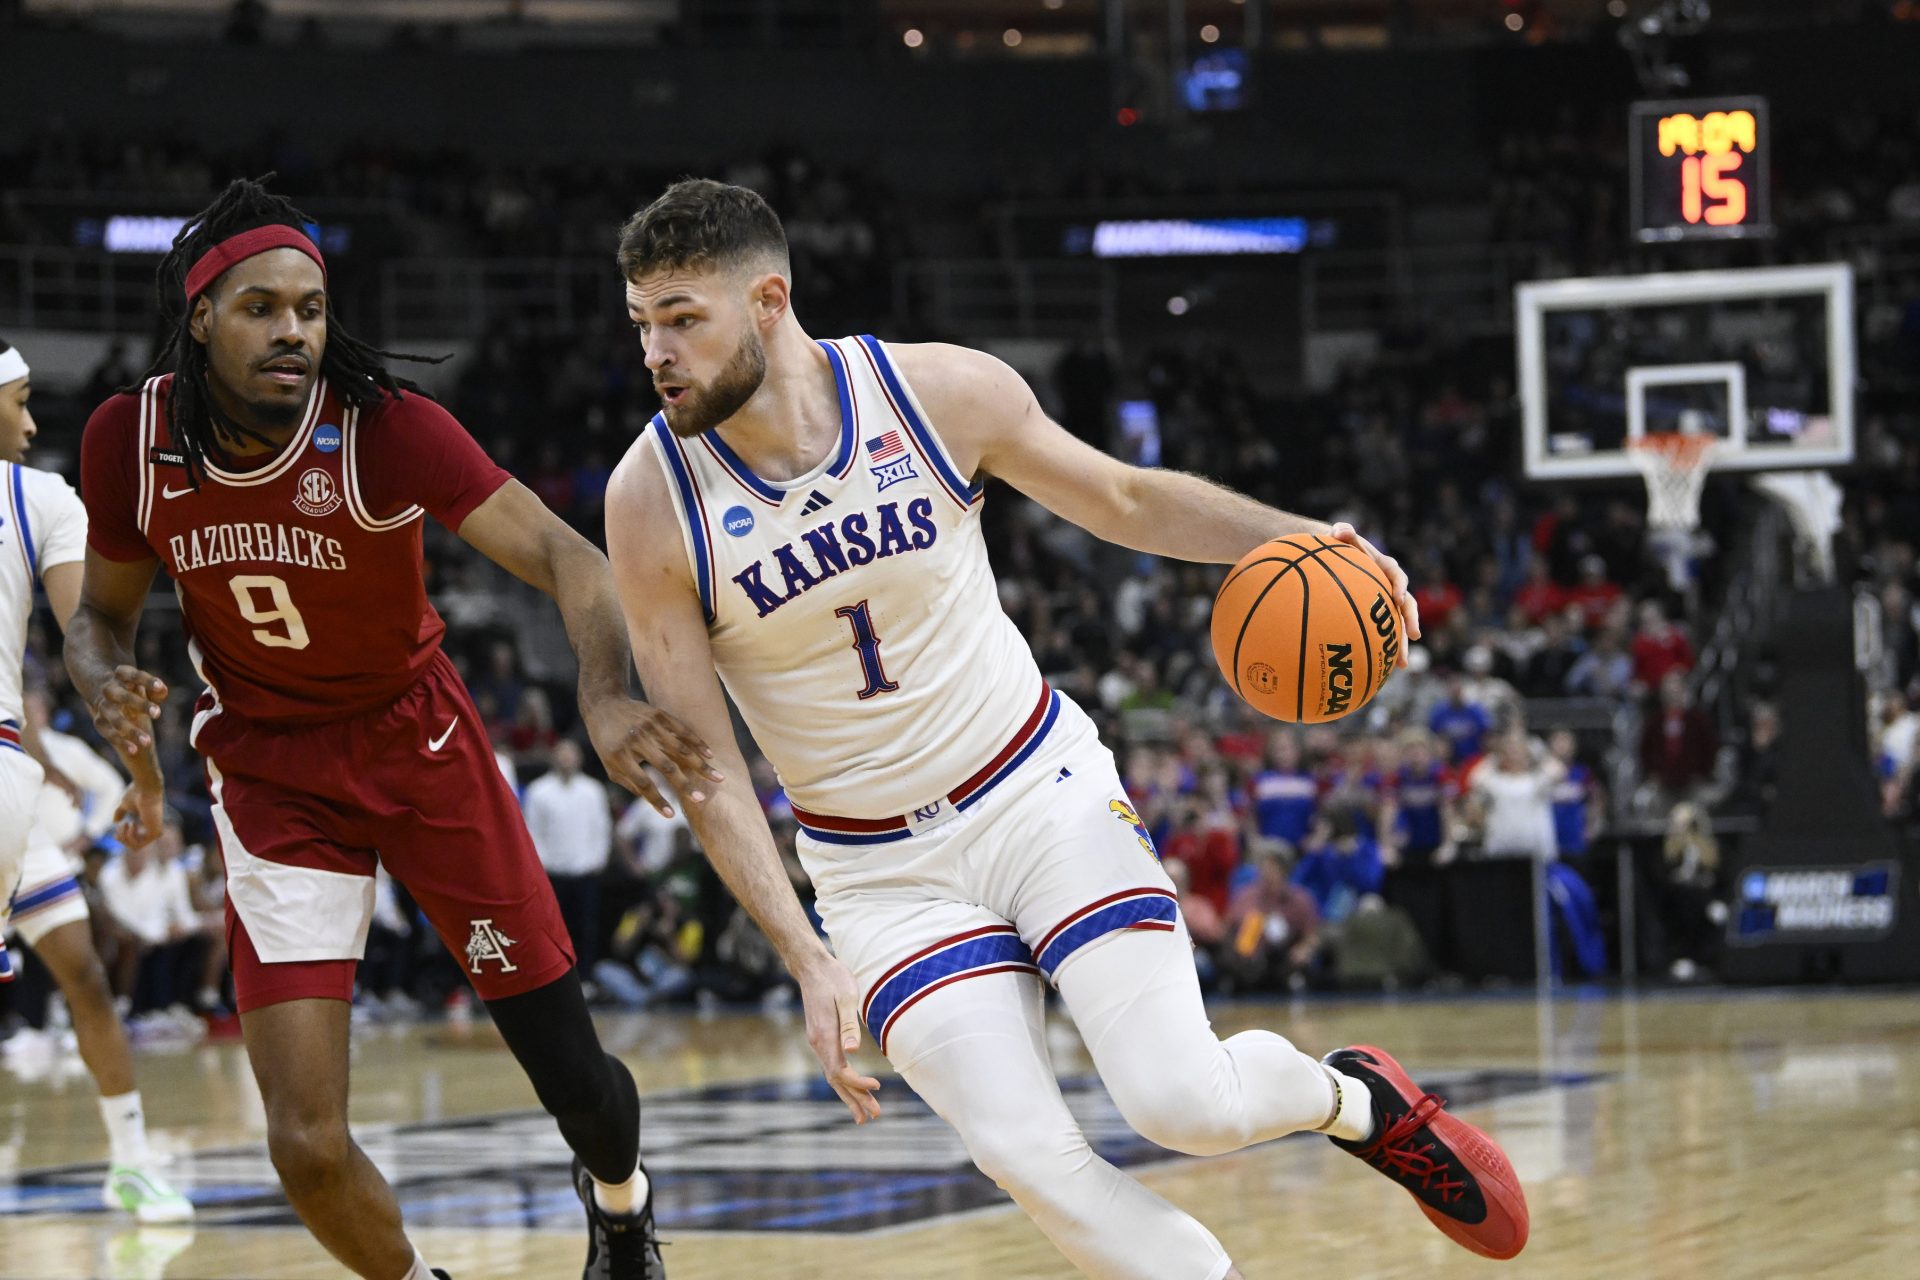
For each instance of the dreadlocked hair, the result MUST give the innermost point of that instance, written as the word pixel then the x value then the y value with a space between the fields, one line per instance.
pixel 195 420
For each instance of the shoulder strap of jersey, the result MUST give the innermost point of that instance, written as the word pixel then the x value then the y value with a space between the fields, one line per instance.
pixel 907 411
pixel 15 500
pixel 690 503
pixel 150 440
pixel 350 474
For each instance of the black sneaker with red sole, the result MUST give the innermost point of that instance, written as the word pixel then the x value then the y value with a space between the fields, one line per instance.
pixel 1460 1176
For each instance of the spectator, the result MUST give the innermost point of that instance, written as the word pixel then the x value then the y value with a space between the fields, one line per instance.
pixel 1677 742
pixel 1460 723
pixel 1546 669
pixel 646 839
pixel 1659 646
pixel 1284 793
pixel 150 905
pixel 1206 841
pixel 1576 798
pixel 1604 671
pixel 532 736
pixel 1540 597
pixel 1339 866
pixel 568 817
pixel 1692 909
pixel 1273 928
pixel 1513 796
pixel 1594 595
pixel 1423 792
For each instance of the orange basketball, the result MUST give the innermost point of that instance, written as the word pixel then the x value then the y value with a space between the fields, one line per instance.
pixel 1306 629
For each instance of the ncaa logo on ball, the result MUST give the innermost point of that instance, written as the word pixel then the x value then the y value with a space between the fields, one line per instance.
pixel 316 495
pixel 326 437
pixel 1337 666
pixel 1263 678
pixel 738 521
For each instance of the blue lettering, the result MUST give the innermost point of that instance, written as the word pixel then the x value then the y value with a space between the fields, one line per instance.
pixel 860 548
pixel 920 516
pixel 764 600
pixel 825 546
pixel 893 538
pixel 798 579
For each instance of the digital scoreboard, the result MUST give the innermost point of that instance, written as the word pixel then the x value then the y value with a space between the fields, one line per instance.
pixel 1700 169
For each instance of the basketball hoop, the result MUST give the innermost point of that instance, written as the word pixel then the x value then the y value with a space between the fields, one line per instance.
pixel 1674 464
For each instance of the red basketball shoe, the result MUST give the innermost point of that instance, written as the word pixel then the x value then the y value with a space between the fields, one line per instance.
pixel 1461 1178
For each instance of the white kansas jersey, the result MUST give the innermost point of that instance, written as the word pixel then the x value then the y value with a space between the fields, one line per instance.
pixel 853 614
pixel 42 524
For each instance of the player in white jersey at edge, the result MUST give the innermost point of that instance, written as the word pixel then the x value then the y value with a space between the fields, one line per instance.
pixel 803 518
pixel 43 536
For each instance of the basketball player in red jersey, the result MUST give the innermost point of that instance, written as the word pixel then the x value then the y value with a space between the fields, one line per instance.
pixel 279 474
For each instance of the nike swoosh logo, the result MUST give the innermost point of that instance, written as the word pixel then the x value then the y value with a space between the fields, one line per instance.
pixel 441 741
pixel 171 492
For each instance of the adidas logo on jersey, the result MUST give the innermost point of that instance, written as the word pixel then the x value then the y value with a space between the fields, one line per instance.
pixel 815 501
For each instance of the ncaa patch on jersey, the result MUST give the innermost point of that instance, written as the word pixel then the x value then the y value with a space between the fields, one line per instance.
pixel 738 521
pixel 326 437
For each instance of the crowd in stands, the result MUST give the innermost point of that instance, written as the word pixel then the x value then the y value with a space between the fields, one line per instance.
pixel 1316 857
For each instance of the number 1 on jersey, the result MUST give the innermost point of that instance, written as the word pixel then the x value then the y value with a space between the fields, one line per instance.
pixel 867 644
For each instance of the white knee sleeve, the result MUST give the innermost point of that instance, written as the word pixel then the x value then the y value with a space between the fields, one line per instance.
pixel 1136 1000
pixel 976 1051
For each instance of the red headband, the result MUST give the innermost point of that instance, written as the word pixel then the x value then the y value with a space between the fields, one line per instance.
pixel 247 244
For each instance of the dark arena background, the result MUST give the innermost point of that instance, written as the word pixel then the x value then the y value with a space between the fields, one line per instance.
pixel 1603 316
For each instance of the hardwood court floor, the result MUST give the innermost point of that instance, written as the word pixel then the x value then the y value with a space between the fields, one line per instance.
pixel 1692 1135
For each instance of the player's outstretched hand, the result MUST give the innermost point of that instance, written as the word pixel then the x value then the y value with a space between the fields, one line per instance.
pixel 832 1007
pixel 126 708
pixel 139 816
pixel 1396 577
pixel 630 735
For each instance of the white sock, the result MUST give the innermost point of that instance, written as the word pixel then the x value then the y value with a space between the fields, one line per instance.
pixel 419 1270
pixel 1353 1116
pixel 126 1127
pixel 624 1197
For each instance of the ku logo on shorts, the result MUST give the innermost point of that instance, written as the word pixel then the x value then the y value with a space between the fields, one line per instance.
pixel 488 943
pixel 1125 812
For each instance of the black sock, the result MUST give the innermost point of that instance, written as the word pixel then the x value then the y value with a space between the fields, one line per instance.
pixel 589 1092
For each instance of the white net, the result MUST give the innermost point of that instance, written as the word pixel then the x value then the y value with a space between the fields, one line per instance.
pixel 1675 468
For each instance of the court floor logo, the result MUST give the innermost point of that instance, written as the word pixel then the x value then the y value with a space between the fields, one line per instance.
pixel 763 1157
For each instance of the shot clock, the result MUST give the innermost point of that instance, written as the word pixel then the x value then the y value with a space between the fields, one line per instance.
pixel 1700 169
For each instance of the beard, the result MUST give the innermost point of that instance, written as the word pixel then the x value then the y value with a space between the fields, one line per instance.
pixel 277 412
pixel 704 408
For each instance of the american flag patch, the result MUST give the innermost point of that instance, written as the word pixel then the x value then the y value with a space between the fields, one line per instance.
pixel 882 447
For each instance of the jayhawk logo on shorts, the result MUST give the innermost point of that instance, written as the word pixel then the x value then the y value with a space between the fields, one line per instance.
pixel 1125 812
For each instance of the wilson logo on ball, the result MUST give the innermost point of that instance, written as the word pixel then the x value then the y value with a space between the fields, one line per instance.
pixel 1388 628
pixel 1263 677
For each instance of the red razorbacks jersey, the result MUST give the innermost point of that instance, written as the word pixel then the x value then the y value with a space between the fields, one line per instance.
pixel 300 578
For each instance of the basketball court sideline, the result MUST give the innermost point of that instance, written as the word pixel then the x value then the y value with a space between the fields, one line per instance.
pixel 1692 1133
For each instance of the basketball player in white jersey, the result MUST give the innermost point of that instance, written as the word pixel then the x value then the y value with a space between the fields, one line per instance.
pixel 43 535
pixel 803 518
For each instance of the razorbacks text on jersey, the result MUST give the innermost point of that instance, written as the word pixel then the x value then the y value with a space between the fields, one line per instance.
pixel 853 614
pixel 299 579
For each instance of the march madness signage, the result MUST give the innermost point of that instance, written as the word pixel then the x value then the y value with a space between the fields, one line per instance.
pixel 1816 904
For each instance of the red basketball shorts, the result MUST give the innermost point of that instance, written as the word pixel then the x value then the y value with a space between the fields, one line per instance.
pixel 305 812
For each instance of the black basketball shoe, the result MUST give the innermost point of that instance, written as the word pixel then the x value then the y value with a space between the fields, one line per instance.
pixel 619 1246
pixel 1460 1176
